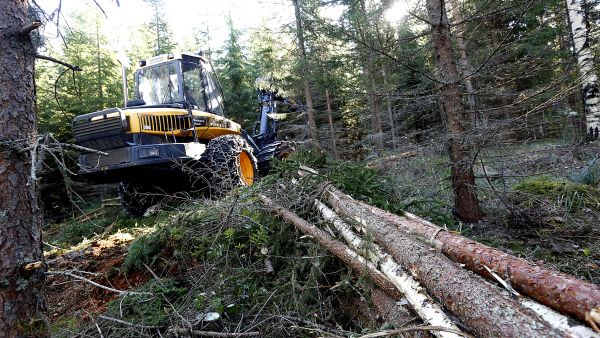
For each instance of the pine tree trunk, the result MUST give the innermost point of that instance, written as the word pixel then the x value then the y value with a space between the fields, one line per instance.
pixel 312 124
pixel 374 108
pixel 562 292
pixel 465 66
pixel 476 303
pixel 389 109
pixel 330 118
pixel 466 204
pixel 21 300
pixel 585 60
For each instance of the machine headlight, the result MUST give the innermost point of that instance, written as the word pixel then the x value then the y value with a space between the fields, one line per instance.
pixel 148 152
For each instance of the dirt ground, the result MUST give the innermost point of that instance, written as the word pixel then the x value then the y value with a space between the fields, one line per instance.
pixel 101 262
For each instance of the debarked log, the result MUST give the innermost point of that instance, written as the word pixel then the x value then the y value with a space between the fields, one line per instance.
pixel 476 303
pixel 561 292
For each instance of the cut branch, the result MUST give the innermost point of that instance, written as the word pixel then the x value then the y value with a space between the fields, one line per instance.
pixel 62 63
pixel 89 281
pixel 33 26
pixel 198 333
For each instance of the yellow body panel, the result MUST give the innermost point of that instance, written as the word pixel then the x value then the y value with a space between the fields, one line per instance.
pixel 173 121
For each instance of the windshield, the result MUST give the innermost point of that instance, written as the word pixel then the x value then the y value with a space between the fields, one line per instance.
pixel 199 87
pixel 159 84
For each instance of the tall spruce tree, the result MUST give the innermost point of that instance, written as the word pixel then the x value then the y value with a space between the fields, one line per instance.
pixel 236 78
pixel 163 37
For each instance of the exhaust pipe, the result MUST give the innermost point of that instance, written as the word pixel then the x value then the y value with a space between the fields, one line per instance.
pixel 124 61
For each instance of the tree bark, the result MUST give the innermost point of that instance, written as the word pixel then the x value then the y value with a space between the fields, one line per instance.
pixel 475 302
pixel 330 119
pixel 21 300
pixel 389 109
pixel 374 107
pixel 466 204
pixel 585 60
pixel 424 306
pixel 465 66
pixel 312 124
pixel 562 292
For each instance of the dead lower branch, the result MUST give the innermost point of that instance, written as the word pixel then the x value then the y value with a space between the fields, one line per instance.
pixel 62 63
pixel 33 26
pixel 415 328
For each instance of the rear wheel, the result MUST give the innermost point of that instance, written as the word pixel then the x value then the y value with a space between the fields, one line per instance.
pixel 135 198
pixel 231 163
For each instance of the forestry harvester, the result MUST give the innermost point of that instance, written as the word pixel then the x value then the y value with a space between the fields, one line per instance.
pixel 174 135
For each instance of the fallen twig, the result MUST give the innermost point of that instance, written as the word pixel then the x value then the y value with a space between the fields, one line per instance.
pixel 414 328
pixel 89 281
pixel 199 333
pixel 127 323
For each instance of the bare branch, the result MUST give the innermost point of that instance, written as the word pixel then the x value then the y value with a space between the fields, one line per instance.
pixel 197 333
pixel 51 59
pixel 33 26
pixel 101 9
pixel 128 323
pixel 121 292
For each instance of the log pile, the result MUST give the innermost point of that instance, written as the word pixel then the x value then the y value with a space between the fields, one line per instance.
pixel 440 274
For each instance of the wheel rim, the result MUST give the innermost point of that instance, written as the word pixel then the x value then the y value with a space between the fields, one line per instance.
pixel 246 168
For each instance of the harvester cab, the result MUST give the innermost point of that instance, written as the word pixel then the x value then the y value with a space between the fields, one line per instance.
pixel 172 136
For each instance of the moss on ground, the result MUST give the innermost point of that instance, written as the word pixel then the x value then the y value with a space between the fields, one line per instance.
pixel 569 195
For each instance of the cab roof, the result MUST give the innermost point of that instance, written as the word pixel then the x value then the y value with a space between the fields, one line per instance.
pixel 168 57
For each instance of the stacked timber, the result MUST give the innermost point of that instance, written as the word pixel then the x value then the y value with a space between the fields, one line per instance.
pixel 440 274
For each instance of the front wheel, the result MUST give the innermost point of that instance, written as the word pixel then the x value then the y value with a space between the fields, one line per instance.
pixel 231 163
pixel 135 198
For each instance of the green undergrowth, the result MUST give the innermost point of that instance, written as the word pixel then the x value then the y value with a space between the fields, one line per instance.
pixel 354 178
pixel 568 195
pixel 230 265
pixel 234 260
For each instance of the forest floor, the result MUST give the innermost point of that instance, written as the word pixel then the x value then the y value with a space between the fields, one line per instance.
pixel 212 257
pixel 541 200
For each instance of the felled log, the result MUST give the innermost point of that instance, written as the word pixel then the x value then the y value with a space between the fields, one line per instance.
pixel 387 162
pixel 479 305
pixel 350 257
pixel 559 291
pixel 426 308
pixel 555 319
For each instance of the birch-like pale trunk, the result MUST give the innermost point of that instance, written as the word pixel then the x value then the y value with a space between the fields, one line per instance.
pixel 585 60
pixel 426 308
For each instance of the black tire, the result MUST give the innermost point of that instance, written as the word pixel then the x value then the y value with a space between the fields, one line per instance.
pixel 135 198
pixel 231 163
